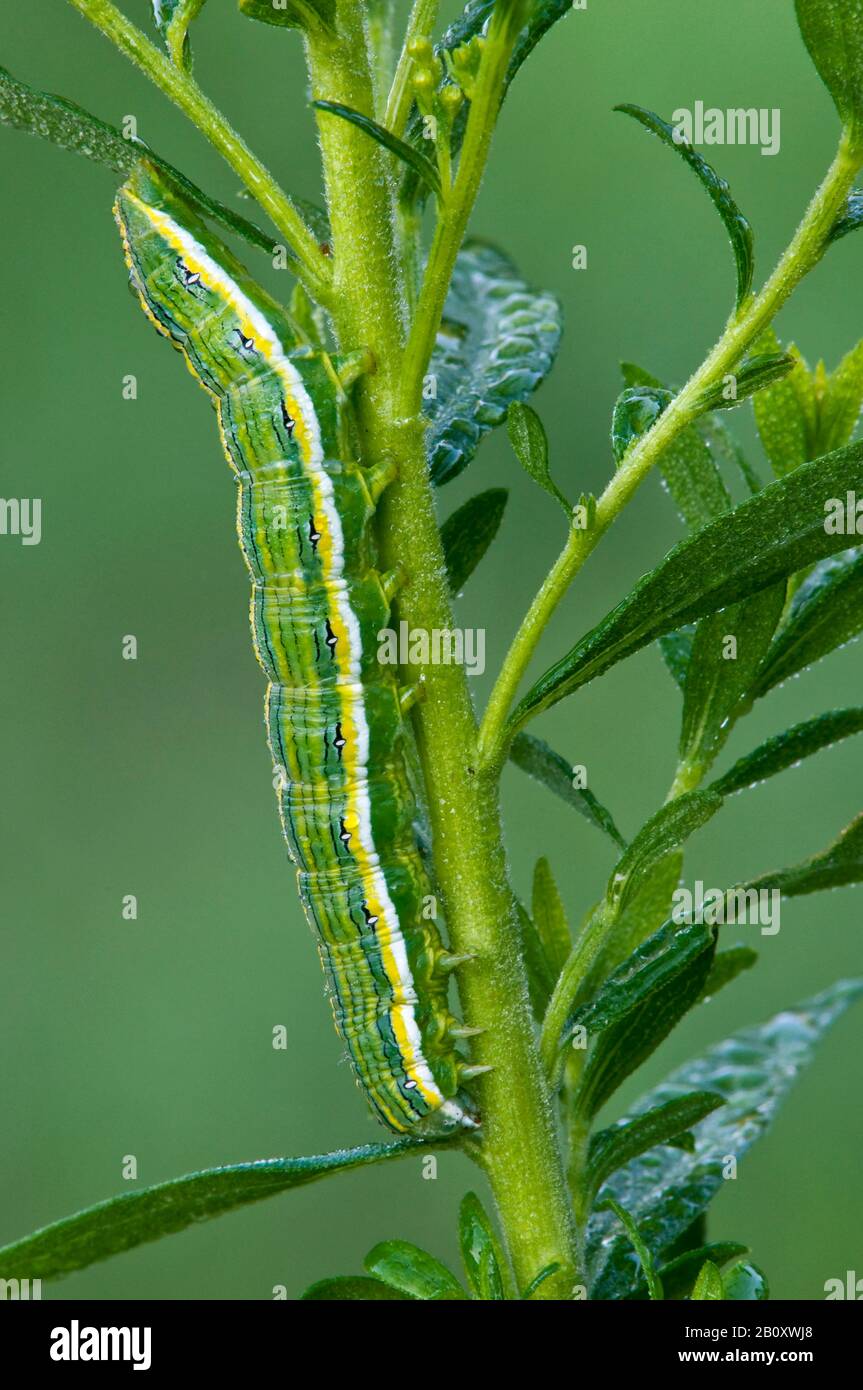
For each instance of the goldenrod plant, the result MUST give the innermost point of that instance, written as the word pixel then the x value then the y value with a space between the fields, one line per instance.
pixel 473 1020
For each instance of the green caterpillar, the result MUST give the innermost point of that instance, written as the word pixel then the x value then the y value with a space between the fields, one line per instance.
pixel 334 714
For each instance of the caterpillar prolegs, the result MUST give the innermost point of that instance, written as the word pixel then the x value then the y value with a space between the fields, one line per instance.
pixel 334 714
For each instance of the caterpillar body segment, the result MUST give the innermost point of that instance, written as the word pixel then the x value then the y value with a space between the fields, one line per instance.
pixel 334 714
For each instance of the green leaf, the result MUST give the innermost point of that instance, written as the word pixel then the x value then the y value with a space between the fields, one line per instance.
pixel 676 648
pixel 497 342
pixel 481 1254
pixel 708 1285
pixel 654 1283
pixel 667 1189
pixel 670 827
pixel 408 154
pixel 788 749
pixel 352 1288
pixel 851 218
pixel 540 1278
pixel 467 534
pixel 745 1282
pixel 637 1007
pixel 646 910
pixel 611 1148
pixel 842 403
pixel 763 540
pixel 833 33
pixel 835 867
pixel 636 411
pixel 540 975
pixel 530 445
pixel 755 375
pixel 121 1223
pixel 717 190
pixel 539 761
pixel 727 965
pixel 72 128
pixel 785 413
pixel 292 14
pixel 720 675
pixel 173 18
pixel 827 612
pixel 549 917
pixel 687 466
pixel 677 1276
pixel 412 1271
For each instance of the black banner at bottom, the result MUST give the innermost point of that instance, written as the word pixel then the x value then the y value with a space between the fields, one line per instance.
pixel 152 1339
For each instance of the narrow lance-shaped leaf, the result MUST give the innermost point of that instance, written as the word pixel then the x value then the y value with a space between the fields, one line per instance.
pixel 666 1189
pixel 637 1007
pixel 717 190
pixel 549 916
pixel 843 400
pixel 121 1223
pixel 292 14
pixel 611 1148
pixel 760 542
pixel 541 762
pixel 497 342
pixel 173 18
pixel 670 827
pixel 786 412
pixel 754 375
pixel 708 1285
pixel 833 33
pixel 410 1270
pixel 408 154
pixel 826 613
pixel 835 867
pixel 789 749
pixel 687 465
pixel 72 128
pixel 654 1283
pixel 482 1256
pixel 530 445
pixel 540 972
pixel 467 534
pixel 727 651
pixel 678 1275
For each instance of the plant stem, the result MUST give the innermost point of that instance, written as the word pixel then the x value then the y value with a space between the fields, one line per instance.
pixel 185 93
pixel 507 21
pixel 743 330
pixel 520 1150
pixel 420 25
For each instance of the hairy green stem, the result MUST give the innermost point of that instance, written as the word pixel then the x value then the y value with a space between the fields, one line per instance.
pixel 420 25
pixel 181 88
pixel 742 332
pixel 519 1150
pixel 507 21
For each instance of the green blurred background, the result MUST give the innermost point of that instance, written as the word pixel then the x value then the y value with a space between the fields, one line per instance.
pixel 152 777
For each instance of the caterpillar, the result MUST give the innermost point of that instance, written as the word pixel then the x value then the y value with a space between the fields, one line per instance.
pixel 334 715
